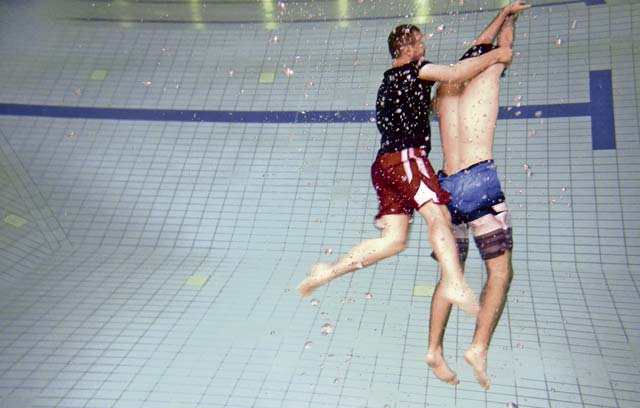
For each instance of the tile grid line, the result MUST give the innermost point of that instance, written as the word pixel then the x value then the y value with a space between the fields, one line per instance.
pixel 45 389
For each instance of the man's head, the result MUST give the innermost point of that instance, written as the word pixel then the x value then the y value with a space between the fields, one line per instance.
pixel 406 41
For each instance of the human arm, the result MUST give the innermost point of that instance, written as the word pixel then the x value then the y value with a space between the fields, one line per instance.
pixel 465 69
pixel 489 34
pixel 505 36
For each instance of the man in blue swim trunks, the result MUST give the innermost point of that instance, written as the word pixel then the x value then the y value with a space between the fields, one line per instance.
pixel 468 114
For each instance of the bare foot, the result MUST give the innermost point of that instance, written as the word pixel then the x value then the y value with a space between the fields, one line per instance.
pixel 440 368
pixel 461 294
pixel 477 359
pixel 320 274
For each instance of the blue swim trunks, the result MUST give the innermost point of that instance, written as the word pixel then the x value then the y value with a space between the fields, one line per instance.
pixel 474 191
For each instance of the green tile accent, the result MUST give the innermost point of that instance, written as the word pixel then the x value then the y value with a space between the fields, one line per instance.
pixel 424 290
pixel 14 220
pixel 267 78
pixel 197 281
pixel 98 74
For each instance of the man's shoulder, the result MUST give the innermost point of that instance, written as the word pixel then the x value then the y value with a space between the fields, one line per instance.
pixel 406 71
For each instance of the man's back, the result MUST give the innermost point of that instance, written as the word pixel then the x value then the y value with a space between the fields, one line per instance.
pixel 468 115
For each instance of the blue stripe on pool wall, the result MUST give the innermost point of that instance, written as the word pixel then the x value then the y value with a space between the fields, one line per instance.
pixel 603 132
pixel 166 115
pixel 599 108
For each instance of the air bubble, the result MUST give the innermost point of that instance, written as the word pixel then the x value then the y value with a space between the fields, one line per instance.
pixel 288 72
pixel 326 328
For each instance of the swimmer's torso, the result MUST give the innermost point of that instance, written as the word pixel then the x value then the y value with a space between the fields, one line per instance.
pixel 468 114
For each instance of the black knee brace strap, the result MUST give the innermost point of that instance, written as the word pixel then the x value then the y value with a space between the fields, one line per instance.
pixel 463 249
pixel 492 244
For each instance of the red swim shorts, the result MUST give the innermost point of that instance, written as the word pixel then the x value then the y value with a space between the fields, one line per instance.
pixel 405 181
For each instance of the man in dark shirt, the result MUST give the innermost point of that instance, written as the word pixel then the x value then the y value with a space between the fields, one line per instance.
pixel 402 176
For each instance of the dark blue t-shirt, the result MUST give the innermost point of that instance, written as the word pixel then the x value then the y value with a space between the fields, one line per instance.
pixel 402 109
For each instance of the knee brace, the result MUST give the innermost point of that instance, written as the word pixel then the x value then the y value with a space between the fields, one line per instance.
pixel 492 244
pixel 463 248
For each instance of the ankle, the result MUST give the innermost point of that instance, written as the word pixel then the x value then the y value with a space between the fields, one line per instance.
pixel 479 349
pixel 435 351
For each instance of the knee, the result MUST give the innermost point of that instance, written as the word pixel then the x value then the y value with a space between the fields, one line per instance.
pixel 499 269
pixel 396 244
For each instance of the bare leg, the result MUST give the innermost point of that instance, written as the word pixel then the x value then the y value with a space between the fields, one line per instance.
pixel 452 286
pixel 440 310
pixel 392 241
pixel 492 303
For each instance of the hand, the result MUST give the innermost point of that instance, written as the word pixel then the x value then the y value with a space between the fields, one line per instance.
pixel 505 54
pixel 517 6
